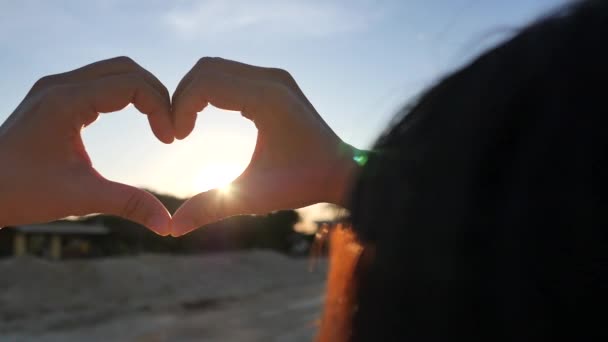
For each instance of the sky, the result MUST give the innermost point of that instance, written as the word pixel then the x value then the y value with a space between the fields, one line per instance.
pixel 357 61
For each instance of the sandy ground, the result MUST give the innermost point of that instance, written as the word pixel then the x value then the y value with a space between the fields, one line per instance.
pixel 245 296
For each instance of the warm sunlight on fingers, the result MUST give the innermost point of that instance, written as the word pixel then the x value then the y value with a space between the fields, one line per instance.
pixel 225 189
pixel 218 176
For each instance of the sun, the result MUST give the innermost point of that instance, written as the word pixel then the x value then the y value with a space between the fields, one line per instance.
pixel 217 176
pixel 225 189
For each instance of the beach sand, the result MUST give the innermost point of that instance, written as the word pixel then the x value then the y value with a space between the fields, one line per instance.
pixel 241 296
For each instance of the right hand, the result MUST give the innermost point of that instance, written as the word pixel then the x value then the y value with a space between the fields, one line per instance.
pixel 298 160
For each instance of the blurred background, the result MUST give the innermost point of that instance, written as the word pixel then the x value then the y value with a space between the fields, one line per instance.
pixel 245 278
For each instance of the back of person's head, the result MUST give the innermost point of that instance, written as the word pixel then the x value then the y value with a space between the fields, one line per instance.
pixel 486 204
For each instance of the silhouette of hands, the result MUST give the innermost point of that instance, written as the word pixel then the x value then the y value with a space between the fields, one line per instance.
pixel 298 160
pixel 46 173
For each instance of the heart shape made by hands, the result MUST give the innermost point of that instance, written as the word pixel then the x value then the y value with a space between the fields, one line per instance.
pixel 212 156
pixel 297 160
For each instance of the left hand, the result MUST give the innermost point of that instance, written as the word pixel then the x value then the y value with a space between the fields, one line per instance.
pixel 45 172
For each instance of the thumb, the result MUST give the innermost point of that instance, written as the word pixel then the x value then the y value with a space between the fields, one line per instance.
pixel 211 206
pixel 132 204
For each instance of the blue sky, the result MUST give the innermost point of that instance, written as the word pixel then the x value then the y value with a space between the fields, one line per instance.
pixel 357 61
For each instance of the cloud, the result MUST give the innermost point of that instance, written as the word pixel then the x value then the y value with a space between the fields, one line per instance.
pixel 308 18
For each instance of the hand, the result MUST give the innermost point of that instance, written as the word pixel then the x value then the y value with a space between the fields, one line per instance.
pixel 298 160
pixel 46 173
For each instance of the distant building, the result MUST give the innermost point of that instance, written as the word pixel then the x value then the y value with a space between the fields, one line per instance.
pixel 53 240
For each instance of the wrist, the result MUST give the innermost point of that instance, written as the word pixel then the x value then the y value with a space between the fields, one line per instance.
pixel 344 173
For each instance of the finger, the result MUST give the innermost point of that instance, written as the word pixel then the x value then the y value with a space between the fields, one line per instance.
pixel 184 126
pixel 108 67
pixel 162 127
pixel 252 72
pixel 208 207
pixel 256 191
pixel 185 80
pixel 205 64
pixel 239 70
pixel 251 98
pixel 115 92
pixel 185 122
pixel 129 203
pixel 242 70
pixel 251 193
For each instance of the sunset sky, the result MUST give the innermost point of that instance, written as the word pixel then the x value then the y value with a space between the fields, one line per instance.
pixel 357 61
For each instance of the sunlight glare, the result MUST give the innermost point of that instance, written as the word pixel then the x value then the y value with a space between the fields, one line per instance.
pixel 218 176
pixel 225 189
